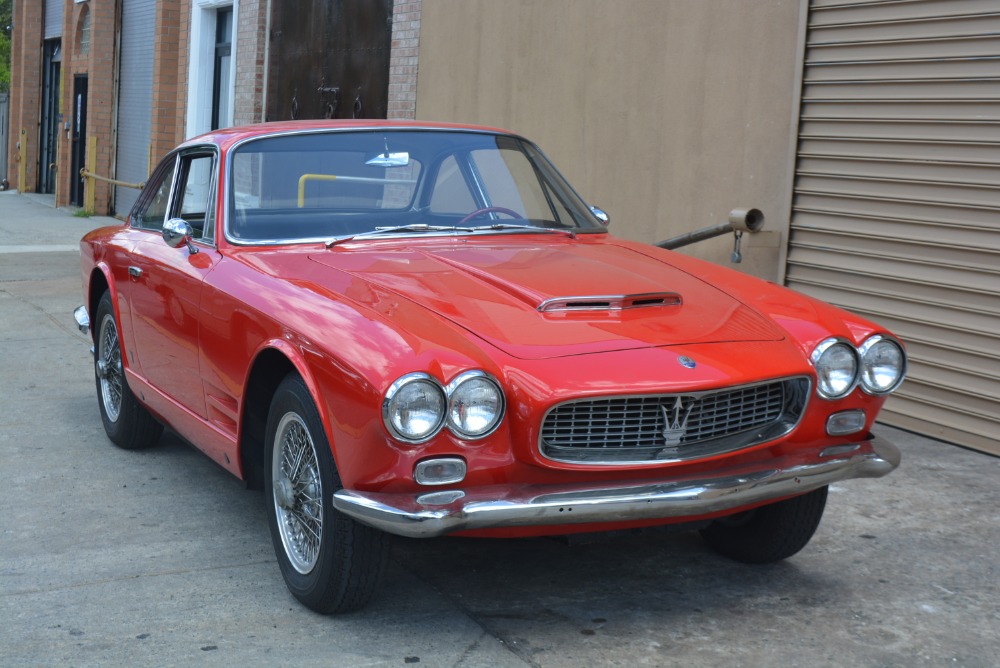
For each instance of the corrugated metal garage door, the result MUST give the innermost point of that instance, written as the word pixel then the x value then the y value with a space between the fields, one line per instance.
pixel 896 213
pixel 53 19
pixel 135 98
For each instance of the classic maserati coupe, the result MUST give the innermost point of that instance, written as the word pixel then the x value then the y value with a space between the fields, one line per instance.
pixel 421 329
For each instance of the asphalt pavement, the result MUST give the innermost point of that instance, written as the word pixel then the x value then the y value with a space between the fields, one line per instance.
pixel 161 558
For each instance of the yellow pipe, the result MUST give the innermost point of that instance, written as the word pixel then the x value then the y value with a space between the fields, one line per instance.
pixel 311 177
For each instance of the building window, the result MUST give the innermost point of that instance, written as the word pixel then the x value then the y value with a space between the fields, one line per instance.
pixel 221 75
pixel 83 41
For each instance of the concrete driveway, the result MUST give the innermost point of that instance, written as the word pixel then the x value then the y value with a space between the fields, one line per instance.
pixel 110 557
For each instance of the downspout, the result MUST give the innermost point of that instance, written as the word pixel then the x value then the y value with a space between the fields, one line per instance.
pixel 267 64
pixel 115 77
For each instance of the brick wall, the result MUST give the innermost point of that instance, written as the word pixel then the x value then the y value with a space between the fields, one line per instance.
pixel 251 42
pixel 169 78
pixel 403 59
pixel 25 92
pixel 98 64
pixel 73 63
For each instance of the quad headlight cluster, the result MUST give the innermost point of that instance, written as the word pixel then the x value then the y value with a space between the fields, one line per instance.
pixel 878 365
pixel 417 406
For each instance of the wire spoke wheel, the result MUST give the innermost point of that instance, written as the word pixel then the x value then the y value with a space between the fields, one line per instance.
pixel 126 421
pixel 298 493
pixel 330 563
pixel 109 368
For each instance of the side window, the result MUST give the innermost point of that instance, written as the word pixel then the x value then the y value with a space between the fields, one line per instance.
pixel 195 194
pixel 152 211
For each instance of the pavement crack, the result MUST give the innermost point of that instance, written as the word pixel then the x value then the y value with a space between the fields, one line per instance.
pixel 58 322
pixel 479 620
pixel 136 576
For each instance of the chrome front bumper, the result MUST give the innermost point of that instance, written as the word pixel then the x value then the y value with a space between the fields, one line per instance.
pixel 430 514
pixel 82 319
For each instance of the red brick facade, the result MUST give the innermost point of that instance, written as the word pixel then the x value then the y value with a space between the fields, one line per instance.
pixel 168 107
pixel 403 59
pixel 25 94
pixel 251 38
pixel 170 66
pixel 98 63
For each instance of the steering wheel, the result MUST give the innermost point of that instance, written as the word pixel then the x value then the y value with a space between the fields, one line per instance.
pixel 490 209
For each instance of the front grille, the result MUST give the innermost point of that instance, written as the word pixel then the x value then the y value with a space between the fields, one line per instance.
pixel 672 427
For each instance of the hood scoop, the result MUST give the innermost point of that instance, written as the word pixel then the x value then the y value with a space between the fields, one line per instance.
pixel 610 302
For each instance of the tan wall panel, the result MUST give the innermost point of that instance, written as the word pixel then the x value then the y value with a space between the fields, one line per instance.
pixel 666 113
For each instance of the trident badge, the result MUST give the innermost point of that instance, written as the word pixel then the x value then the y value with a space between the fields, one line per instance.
pixel 675 422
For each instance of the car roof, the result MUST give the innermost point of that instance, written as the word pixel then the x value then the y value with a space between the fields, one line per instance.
pixel 227 136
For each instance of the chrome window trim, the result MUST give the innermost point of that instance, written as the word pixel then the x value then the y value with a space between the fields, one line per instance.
pixel 227 185
pixel 213 150
pixel 179 154
pixel 144 199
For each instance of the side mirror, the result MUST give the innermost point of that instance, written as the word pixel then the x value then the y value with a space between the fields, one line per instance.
pixel 601 216
pixel 177 231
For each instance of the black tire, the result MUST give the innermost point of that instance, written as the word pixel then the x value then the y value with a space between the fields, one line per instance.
pixel 330 563
pixel 769 533
pixel 128 424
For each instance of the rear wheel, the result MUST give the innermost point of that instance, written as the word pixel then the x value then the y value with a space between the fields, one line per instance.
pixel 769 533
pixel 330 563
pixel 127 423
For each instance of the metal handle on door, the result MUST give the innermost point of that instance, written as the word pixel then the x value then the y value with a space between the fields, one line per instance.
pixel 134 272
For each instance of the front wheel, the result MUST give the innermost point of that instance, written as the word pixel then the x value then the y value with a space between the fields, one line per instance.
pixel 330 563
pixel 770 533
pixel 127 423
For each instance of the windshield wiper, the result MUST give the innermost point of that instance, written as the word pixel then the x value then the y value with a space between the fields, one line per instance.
pixel 414 227
pixel 423 227
pixel 526 228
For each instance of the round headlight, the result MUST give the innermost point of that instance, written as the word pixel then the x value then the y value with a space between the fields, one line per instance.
pixel 475 405
pixel 414 408
pixel 836 365
pixel 883 365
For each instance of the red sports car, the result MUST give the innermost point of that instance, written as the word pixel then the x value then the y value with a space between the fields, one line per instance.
pixel 421 329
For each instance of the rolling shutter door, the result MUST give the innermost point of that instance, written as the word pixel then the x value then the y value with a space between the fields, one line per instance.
pixel 53 19
pixel 896 213
pixel 135 99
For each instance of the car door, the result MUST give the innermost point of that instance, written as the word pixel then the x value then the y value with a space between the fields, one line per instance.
pixel 165 283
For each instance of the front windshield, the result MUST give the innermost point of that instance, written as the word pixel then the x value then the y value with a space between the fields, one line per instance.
pixel 329 185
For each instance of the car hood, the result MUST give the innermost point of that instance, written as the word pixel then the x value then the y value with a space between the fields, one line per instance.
pixel 497 291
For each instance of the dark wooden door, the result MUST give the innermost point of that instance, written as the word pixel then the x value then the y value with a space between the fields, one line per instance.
pixel 78 159
pixel 329 59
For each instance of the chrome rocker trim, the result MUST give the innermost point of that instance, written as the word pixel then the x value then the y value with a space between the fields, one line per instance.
pixel 426 515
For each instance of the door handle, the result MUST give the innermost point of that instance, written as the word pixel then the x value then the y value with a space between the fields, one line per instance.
pixel 134 272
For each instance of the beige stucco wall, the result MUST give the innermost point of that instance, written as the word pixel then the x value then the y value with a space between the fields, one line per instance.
pixel 666 113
